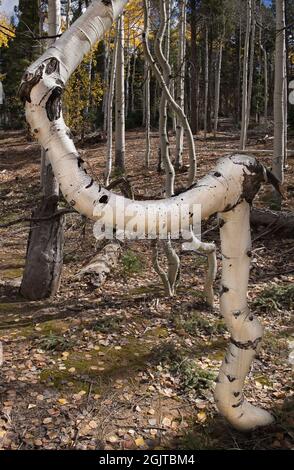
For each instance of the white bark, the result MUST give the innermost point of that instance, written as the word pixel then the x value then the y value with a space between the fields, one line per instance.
pixel 110 96
pixel 48 181
pixel 246 331
pixel 106 81
pixel 243 137
pixel 206 81
pixel 68 13
pixel 279 95
pixel 133 108
pixel 234 179
pixel 217 85
pixel 251 65
pixel 181 82
pixel 54 20
pixel 166 73
pixel 265 66
pixel 128 73
pixel 147 90
pixel 210 250
pixel 120 99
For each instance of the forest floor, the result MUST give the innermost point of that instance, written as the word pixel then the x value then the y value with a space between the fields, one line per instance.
pixel 121 366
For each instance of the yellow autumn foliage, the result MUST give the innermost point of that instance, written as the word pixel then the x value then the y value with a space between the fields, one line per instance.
pixel 6 32
pixel 82 95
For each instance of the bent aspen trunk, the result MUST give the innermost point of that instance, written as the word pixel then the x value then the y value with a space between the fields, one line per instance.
pixel 228 189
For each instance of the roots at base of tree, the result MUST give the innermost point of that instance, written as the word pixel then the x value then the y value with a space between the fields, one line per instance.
pixel 273 222
pixel 44 258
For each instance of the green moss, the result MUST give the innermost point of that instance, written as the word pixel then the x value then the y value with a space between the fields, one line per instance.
pixel 194 323
pixel 12 273
pixel 158 332
pixel 115 363
pixel 5 219
pixel 274 344
pixel 275 298
pixel 262 379
pixel 192 376
pixel 108 324
pixel 132 262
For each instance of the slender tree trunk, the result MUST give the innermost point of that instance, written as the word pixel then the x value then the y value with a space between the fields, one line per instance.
pixel 128 73
pixel 44 258
pixel 279 96
pixel 194 68
pixel 110 97
pixel 217 85
pixel 133 107
pixel 120 101
pixel 68 13
pixel 206 81
pixel 251 64
pixel 238 107
pixel 243 137
pixel 166 73
pixel 265 66
pixel 106 81
pixel 147 89
pixel 181 82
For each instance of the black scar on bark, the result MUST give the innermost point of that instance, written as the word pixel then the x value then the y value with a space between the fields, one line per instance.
pixel 90 184
pixel 69 134
pixel 230 378
pixel 53 105
pixel 221 222
pixel 217 174
pixel 103 199
pixel 237 313
pixel 72 202
pixel 80 161
pixel 223 290
pixel 239 403
pixel 246 344
pixel 52 66
pixel 236 394
pixel 229 207
pixel 28 83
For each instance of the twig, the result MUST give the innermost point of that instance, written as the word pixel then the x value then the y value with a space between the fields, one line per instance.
pixel 39 219
pixel 139 428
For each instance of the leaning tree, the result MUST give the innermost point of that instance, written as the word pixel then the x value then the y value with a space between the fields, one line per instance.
pixel 228 190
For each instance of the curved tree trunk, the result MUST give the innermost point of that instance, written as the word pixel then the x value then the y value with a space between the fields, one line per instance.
pixel 228 189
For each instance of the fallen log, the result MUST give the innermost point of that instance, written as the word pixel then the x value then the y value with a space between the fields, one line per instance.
pixel 97 270
pixel 281 223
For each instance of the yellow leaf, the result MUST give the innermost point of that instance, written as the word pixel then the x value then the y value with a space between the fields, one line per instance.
pixel 62 401
pixel 139 442
pixel 201 416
